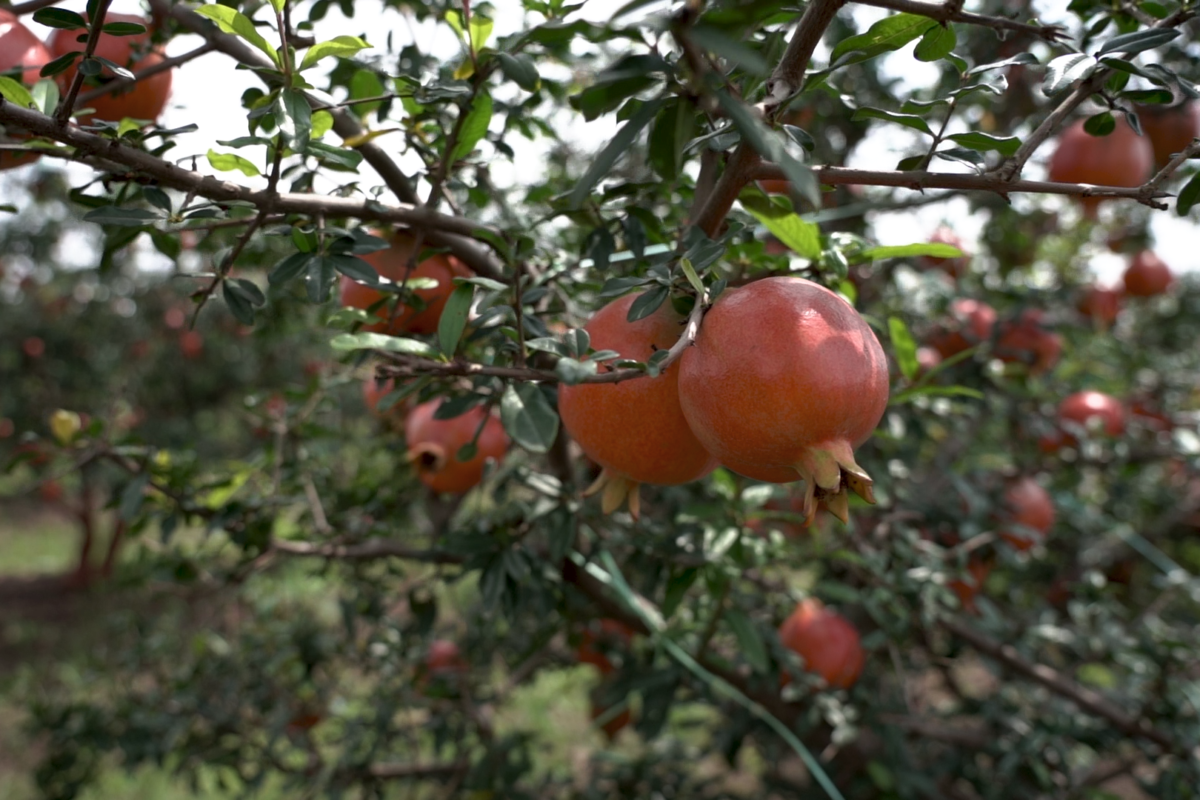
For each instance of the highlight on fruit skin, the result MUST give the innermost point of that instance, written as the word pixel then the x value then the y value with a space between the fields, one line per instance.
pixel 784 381
pixel 828 642
pixel 1093 410
pixel 434 446
pixel 635 430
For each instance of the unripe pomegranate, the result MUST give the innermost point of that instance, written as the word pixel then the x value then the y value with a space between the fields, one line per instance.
pixel 147 98
pixel 635 430
pixel 601 638
pixel 1090 410
pixel 434 445
pixel 1025 341
pixel 968 587
pixel 20 47
pixel 954 267
pixel 392 264
pixel 1030 510
pixel 1120 159
pixel 784 381
pixel 970 324
pixel 1170 130
pixel 1101 304
pixel 827 642
pixel 1147 276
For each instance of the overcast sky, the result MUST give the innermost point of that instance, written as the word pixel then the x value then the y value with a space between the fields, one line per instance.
pixel 207 92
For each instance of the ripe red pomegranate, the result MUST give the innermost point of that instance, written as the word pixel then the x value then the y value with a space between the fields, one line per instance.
pixel 392 264
pixel 1030 510
pixel 192 344
pixel 444 657
pixel 1147 276
pixel 971 323
pixel 1170 130
pixel 1090 410
pixel 968 587
pixel 826 641
pixel 19 47
pixel 147 98
pixel 601 638
pixel 434 444
pixel 1120 159
pixel 635 429
pixel 1101 304
pixel 784 381
pixel 1026 341
pixel 954 267
pixel 34 347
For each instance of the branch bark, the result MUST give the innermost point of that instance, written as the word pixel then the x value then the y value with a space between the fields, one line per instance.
pixel 952 12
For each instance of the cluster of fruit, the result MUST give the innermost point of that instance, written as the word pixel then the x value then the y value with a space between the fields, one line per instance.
pixel 21 49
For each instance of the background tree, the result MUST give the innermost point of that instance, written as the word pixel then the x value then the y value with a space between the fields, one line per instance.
pixel 347 601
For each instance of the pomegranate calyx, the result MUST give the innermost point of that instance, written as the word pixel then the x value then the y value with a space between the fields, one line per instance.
pixel 615 490
pixel 427 457
pixel 829 470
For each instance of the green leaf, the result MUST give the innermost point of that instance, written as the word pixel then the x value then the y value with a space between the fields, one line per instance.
pixel 771 145
pixel 571 371
pixel 1139 41
pixel 804 238
pixel 750 642
pixel 123 28
pixel 379 341
pixel 1064 71
pixel 677 588
pixel 617 147
pixel 454 317
pixel 528 417
pixel 933 249
pixel 60 64
pixel 455 21
pixel 121 217
pixel 735 52
pixel 242 297
pixel 647 303
pixel 322 123
pixel 227 162
pixel 669 135
pixel 295 119
pixel 480 29
pixel 690 273
pixel 1188 196
pixel 905 347
pixel 935 391
pixel 474 127
pixel 15 93
pixel 337 47
pixel 231 21
pixel 290 268
pixel 60 18
pixel 1101 124
pixel 521 70
pixel 907 120
pixel 983 142
pixel 937 43
pixel 886 35
pixel 45 96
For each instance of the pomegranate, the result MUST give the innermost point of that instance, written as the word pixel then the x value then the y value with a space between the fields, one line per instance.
pixel 927 359
pixel 34 347
pixel 434 445
pixel 1170 130
pixel 1101 304
pixel 635 430
pixel 19 47
pixel 954 267
pixel 784 381
pixel 1147 276
pixel 374 391
pixel 826 641
pixel 191 343
pixel 392 264
pixel 1025 341
pixel 1091 410
pixel 601 638
pixel 968 587
pixel 1030 510
pixel 1120 159
pixel 147 98
pixel 971 323
pixel 443 657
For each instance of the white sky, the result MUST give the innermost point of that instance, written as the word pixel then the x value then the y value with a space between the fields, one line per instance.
pixel 207 92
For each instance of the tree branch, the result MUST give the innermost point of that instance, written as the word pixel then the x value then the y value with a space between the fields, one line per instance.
pixel 67 104
pixel 415 771
pixel 162 66
pixel 952 12
pixel 788 77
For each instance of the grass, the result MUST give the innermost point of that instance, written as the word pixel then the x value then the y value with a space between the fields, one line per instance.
pixel 37 545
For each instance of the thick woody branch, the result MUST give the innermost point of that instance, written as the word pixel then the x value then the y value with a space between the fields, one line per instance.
pixel 788 77
pixel 175 177
pixel 345 125
pixel 1156 183
pixel 919 180
pixel 1087 700
pixel 952 12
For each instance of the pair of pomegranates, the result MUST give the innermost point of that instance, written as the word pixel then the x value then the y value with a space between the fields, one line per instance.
pixel 1022 340
pixel 1147 276
pixel 784 380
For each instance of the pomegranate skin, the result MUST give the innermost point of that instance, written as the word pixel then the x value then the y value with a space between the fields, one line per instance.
pixel 1025 341
pixel 972 323
pixel 434 444
pixel 784 380
pixel 1120 159
pixel 1147 276
pixel 19 46
pixel 635 429
pixel 1030 507
pixel 827 641
pixel 1170 130
pixel 1101 304
pixel 954 267
pixel 1081 407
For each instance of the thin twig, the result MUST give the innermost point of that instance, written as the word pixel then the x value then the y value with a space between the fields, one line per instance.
pixel 97 25
pixel 123 83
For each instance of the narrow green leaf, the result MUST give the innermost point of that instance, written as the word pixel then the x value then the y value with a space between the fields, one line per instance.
pixel 474 127
pixel 379 341
pixel 907 120
pixel 521 70
pixel 904 346
pixel 60 18
pixel 1101 124
pixel 121 217
pixel 771 145
pixel 976 140
pixel 690 273
pixel 751 644
pixel 888 34
pixel 1139 41
pixel 231 21
pixel 1188 196
pixel 480 30
pixel 454 317
pixel 227 162
pixel 289 268
pixel 933 249
pixel 618 146
pixel 295 119
pixel 15 93
pixel 528 417
pixel 337 47
pixel 735 52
